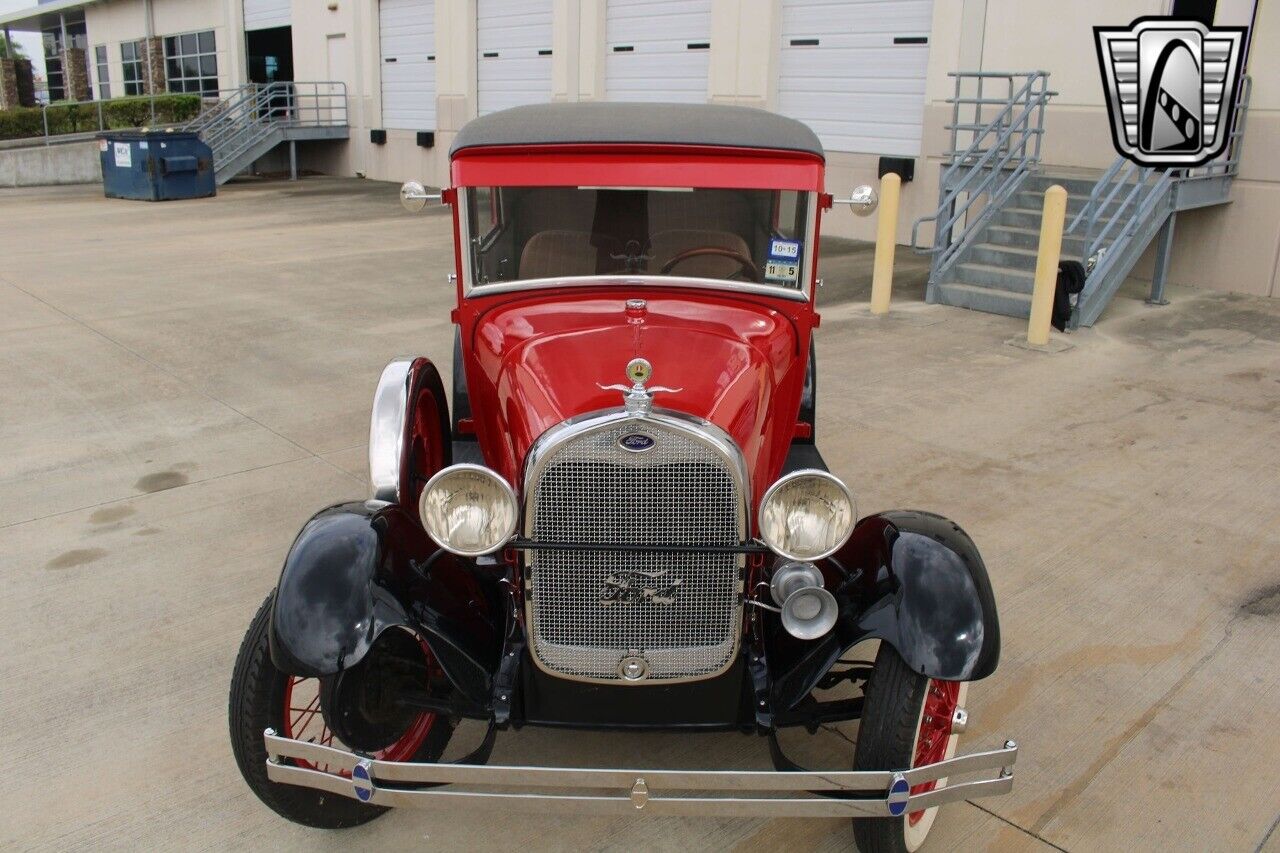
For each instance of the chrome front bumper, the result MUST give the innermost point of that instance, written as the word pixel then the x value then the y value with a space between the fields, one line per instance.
pixel 724 793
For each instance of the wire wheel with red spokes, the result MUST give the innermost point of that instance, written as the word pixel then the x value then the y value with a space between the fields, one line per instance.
pixel 907 721
pixel 263 697
pixel 303 719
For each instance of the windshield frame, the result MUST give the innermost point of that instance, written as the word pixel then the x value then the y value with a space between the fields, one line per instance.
pixel 800 292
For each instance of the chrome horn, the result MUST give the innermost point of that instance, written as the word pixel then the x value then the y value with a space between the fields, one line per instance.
pixel 808 610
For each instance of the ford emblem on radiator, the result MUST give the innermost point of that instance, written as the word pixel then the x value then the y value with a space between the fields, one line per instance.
pixel 636 442
pixel 635 585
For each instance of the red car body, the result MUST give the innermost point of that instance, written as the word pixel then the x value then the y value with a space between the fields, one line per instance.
pixel 535 358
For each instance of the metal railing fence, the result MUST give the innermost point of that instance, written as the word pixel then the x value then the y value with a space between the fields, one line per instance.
pixel 1001 151
pixel 302 104
pixel 1127 197
pixel 237 123
pixel 97 106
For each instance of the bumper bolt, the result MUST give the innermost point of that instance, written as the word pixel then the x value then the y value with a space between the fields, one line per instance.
pixel 959 721
pixel 639 794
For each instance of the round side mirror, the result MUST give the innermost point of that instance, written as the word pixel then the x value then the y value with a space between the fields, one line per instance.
pixel 863 200
pixel 414 196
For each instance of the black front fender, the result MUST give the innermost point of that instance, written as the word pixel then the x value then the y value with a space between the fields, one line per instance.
pixel 911 579
pixel 357 569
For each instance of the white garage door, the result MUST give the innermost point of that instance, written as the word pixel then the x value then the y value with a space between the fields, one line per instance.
pixel 264 14
pixel 854 71
pixel 657 50
pixel 513 39
pixel 408 38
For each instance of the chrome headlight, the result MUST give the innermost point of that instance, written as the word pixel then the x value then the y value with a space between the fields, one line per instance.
pixel 807 515
pixel 468 510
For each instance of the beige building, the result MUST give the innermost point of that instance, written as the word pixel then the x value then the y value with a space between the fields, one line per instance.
pixel 871 78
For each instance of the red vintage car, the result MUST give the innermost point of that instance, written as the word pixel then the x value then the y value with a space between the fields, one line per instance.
pixel 619 518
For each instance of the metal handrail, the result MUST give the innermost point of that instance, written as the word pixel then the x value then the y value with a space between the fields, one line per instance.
pixel 251 113
pixel 320 104
pixel 1146 201
pixel 1230 166
pixel 1001 152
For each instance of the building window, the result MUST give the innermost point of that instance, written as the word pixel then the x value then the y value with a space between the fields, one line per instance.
pixel 104 72
pixel 53 64
pixel 132 55
pixel 191 63
pixel 55 52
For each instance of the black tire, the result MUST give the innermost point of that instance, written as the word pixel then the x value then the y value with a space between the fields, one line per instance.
pixel 894 699
pixel 256 704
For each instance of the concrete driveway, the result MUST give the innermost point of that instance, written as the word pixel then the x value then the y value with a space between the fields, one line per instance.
pixel 183 384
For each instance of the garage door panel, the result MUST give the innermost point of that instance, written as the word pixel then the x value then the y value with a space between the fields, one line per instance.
pixel 882 146
pixel 867 16
pixel 409 89
pixel 657 62
pixel 904 132
pixel 522 76
pixel 882 42
pixel 406 30
pixel 841 72
pixel 840 87
pixel 658 66
pixel 893 109
pixel 854 66
pixel 516 32
pixel 513 42
pixel 265 14
pixel 667 9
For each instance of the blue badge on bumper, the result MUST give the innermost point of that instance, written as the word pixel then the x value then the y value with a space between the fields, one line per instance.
pixel 362 781
pixel 899 791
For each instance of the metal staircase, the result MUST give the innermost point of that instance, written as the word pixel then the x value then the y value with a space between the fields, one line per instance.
pixel 254 119
pixel 999 117
pixel 1129 206
pixel 987 224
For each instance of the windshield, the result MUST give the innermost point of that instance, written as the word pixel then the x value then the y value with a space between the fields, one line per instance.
pixel 526 233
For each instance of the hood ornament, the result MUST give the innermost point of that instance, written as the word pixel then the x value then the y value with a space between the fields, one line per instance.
pixel 636 398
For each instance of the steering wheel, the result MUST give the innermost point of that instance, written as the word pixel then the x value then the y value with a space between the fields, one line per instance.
pixel 748 265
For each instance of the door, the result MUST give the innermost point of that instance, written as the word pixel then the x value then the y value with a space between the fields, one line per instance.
pixel 270 54
pixel 657 50
pixel 513 40
pixel 854 71
pixel 407 34
pixel 340 67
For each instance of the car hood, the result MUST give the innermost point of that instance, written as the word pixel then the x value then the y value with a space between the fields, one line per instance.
pixel 735 362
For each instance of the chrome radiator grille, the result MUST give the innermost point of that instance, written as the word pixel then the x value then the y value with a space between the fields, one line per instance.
pixel 679 613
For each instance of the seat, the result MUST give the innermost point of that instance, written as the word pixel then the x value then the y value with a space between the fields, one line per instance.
pixel 668 244
pixel 555 254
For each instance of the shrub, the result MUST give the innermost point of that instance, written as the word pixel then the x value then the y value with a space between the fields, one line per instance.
pixel 20 123
pixel 117 114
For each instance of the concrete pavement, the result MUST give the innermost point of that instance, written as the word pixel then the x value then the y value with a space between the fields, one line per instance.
pixel 183 384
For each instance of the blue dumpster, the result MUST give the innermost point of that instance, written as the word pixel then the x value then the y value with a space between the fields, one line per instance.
pixel 154 165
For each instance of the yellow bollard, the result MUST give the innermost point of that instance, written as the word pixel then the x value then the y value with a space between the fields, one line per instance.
pixel 886 243
pixel 1051 219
